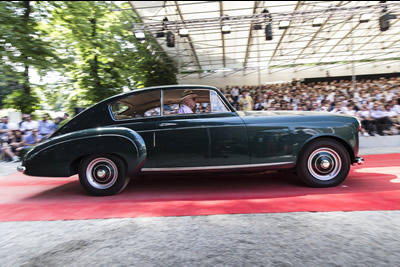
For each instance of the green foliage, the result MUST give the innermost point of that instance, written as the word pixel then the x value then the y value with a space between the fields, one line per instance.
pixel 20 100
pixel 92 48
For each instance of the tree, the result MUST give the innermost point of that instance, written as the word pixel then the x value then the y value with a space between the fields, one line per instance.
pixel 22 48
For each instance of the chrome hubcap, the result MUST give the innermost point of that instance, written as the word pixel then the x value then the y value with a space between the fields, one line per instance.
pixel 102 173
pixel 324 164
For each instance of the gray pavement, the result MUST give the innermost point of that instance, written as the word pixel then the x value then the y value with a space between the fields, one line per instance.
pixel 280 239
pixel 368 238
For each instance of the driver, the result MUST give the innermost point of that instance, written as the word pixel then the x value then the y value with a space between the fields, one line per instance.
pixel 188 102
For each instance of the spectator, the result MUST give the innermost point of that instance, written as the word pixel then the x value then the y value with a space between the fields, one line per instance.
pixel 12 149
pixel 46 127
pixel 246 101
pixel 235 96
pixel 28 125
pixel 31 139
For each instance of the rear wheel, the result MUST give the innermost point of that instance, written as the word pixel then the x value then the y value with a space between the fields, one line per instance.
pixel 324 163
pixel 103 175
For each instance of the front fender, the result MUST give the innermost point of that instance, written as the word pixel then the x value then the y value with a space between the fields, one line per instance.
pixel 60 156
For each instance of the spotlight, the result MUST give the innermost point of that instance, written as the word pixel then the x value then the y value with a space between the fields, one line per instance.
pixel 160 34
pixel 284 24
pixel 365 18
pixel 170 39
pixel 140 35
pixel 317 22
pixel 183 32
pixel 226 29
pixel 257 26
pixel 268 32
pixel 384 22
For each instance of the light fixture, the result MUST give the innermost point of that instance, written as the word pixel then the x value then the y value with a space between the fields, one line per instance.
pixel 226 29
pixel 183 32
pixel 284 24
pixel 257 26
pixel 384 22
pixel 140 35
pixel 170 39
pixel 268 32
pixel 365 18
pixel 161 32
pixel 317 22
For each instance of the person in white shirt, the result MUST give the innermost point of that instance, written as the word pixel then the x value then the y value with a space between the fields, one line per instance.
pixel 188 102
pixel 28 125
pixel 235 96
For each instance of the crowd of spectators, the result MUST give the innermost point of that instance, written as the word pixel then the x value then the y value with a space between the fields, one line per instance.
pixel 16 139
pixel 375 102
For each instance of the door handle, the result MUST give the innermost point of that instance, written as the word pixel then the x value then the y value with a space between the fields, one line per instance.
pixel 167 124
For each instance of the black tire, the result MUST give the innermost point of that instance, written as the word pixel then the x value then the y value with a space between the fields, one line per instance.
pixel 324 163
pixel 103 175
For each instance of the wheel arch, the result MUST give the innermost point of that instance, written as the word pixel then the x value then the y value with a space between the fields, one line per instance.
pixel 329 137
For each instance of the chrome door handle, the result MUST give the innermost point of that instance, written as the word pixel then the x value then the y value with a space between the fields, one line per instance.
pixel 167 124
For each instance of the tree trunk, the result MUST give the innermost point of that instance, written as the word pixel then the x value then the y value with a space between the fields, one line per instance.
pixel 27 87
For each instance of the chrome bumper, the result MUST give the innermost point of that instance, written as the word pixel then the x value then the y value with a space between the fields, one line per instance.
pixel 21 168
pixel 359 161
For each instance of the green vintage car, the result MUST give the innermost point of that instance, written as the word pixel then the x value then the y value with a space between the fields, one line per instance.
pixel 144 131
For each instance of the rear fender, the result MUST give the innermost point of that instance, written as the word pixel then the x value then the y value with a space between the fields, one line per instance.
pixel 60 156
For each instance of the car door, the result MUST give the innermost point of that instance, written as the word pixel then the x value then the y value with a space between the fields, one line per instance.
pixel 140 112
pixel 214 138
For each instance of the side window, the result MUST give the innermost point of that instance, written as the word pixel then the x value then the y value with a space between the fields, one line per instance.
pixel 186 101
pixel 142 104
pixel 217 105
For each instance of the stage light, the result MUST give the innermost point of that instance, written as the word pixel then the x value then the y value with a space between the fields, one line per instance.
pixel 140 35
pixel 183 32
pixel 170 39
pixel 317 22
pixel 226 29
pixel 160 34
pixel 268 32
pixel 384 22
pixel 284 24
pixel 257 26
pixel 365 18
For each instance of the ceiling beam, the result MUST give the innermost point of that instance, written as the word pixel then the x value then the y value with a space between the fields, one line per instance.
pixel 315 35
pixel 221 14
pixel 249 39
pixel 190 40
pixel 298 5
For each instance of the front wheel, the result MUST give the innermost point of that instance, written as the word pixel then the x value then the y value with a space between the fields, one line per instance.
pixel 103 175
pixel 324 163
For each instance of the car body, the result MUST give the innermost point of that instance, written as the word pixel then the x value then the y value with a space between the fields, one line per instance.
pixel 130 133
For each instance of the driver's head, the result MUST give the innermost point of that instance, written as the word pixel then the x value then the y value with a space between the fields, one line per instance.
pixel 189 99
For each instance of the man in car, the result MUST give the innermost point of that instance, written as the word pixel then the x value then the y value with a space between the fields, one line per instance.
pixel 188 102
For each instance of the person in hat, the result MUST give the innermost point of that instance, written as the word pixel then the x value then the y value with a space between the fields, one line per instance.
pixel 188 102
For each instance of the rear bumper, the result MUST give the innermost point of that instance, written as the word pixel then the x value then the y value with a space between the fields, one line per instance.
pixel 21 168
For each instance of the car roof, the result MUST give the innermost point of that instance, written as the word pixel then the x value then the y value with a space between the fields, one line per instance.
pixel 161 87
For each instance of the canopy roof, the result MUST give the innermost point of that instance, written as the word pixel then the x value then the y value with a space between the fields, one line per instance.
pixel 343 35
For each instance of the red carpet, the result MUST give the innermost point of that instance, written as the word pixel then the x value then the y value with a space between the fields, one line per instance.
pixel 372 186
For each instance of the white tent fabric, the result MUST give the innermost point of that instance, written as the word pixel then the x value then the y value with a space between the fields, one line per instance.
pixel 320 33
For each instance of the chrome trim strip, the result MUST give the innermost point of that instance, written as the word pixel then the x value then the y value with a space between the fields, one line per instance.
pixel 174 169
pixel 187 128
